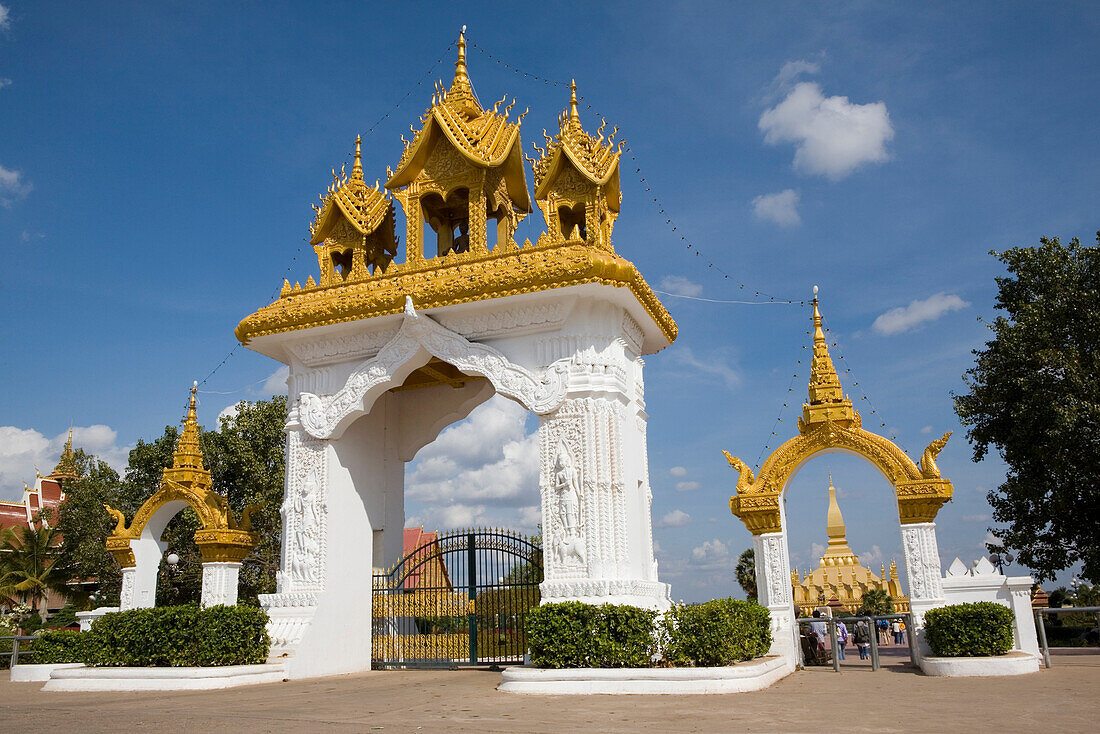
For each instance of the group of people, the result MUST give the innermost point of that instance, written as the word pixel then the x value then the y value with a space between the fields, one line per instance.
pixel 860 636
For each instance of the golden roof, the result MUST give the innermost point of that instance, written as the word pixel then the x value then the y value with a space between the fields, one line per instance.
pixel 594 157
pixel 485 138
pixel 826 395
pixel 66 467
pixel 364 207
pixel 187 468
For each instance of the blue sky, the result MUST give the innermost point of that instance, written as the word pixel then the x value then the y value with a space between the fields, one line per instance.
pixel 158 160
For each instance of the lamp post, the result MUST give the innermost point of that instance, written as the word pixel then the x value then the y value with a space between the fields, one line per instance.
pixel 173 561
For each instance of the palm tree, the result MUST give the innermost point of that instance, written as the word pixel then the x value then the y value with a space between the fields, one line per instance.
pixel 746 573
pixel 876 602
pixel 30 565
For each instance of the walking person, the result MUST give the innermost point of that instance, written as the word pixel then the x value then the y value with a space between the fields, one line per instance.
pixel 895 630
pixel 841 639
pixel 862 639
pixel 901 633
pixel 882 628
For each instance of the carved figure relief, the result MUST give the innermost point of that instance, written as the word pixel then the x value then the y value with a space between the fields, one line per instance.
pixel 568 495
pixel 304 513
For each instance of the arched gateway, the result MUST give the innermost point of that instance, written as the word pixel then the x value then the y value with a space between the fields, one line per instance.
pixel 222 540
pixel 383 354
pixel 830 424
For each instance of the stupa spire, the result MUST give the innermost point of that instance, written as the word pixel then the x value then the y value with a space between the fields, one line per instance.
pixel 826 395
pixel 460 96
pixel 574 115
pixel 187 464
pixel 66 466
pixel 835 520
pixel 357 165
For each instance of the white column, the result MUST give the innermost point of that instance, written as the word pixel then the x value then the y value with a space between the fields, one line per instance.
pixel 305 522
pixel 126 597
pixel 773 590
pixel 595 540
pixel 219 583
pixel 922 568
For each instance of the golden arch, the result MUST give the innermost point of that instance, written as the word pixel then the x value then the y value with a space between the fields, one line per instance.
pixel 221 537
pixel 830 423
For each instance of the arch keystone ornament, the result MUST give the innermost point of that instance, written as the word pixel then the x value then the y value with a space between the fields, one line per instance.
pixel 223 541
pixel 830 424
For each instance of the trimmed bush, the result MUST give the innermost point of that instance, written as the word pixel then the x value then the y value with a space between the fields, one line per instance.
pixel 981 629
pixel 63 646
pixel 715 633
pixel 576 635
pixel 180 636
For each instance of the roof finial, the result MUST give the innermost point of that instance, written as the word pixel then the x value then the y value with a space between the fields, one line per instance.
pixel 357 166
pixel 826 395
pixel 574 116
pixel 460 64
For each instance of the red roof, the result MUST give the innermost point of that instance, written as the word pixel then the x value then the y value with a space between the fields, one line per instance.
pixel 417 538
pixel 45 493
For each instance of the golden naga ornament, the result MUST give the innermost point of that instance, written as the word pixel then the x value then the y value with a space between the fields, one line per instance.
pixel 221 538
pixel 461 182
pixel 829 422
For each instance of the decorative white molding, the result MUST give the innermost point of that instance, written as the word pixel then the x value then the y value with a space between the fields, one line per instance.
pixel 341 348
pixel 922 561
pixel 305 515
pixel 511 321
pixel 320 416
pixel 126 597
pixel 219 583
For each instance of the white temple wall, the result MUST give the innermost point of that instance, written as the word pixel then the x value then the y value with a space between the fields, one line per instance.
pixel 983 582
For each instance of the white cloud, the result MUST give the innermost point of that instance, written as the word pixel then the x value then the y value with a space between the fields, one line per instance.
pixel 5 17
pixel 482 471
pixel 816 549
pixel 713 366
pixel 678 471
pixel 872 558
pixel 22 450
pixel 674 519
pixel 5 83
pixel 926 429
pixel 12 187
pixel 780 208
pixel 832 136
pixel 687 486
pixel 275 384
pixel 680 286
pixel 905 318
pixel 229 411
pixel 710 550
pixel 990 539
pixel 976 518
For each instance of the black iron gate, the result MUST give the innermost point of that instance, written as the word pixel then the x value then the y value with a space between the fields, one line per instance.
pixel 462 597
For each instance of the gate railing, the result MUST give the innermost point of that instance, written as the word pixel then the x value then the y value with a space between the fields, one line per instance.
pixel 14 654
pixel 1040 622
pixel 461 597
pixel 830 623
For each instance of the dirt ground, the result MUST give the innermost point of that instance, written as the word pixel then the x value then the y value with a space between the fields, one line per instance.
pixel 895 699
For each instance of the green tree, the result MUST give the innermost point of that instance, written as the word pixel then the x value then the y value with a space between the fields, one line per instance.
pixel 746 573
pixel 31 565
pixel 875 602
pixel 1035 397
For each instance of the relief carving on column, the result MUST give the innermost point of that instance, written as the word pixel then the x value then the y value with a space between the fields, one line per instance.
pixel 569 541
pixel 922 561
pixel 305 515
pixel 778 574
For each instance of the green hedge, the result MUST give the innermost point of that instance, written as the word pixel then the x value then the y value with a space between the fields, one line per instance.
pixel 576 635
pixel 981 629
pixel 181 636
pixel 715 633
pixel 62 646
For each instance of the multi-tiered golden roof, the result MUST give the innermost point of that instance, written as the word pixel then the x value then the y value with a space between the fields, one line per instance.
pixel 461 181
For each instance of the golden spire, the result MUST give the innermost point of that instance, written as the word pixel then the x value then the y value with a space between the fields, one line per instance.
pixel 574 115
pixel 187 467
pixel 357 166
pixel 461 95
pixel 826 396
pixel 66 466
pixel 835 521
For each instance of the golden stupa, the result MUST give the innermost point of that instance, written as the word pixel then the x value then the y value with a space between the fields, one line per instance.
pixel 840 577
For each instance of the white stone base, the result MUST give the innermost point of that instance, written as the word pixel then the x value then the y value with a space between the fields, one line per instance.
pixel 30 673
pixel 163 679
pixel 1014 663
pixel 751 676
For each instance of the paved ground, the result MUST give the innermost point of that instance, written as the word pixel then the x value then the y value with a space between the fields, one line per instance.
pixel 895 699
